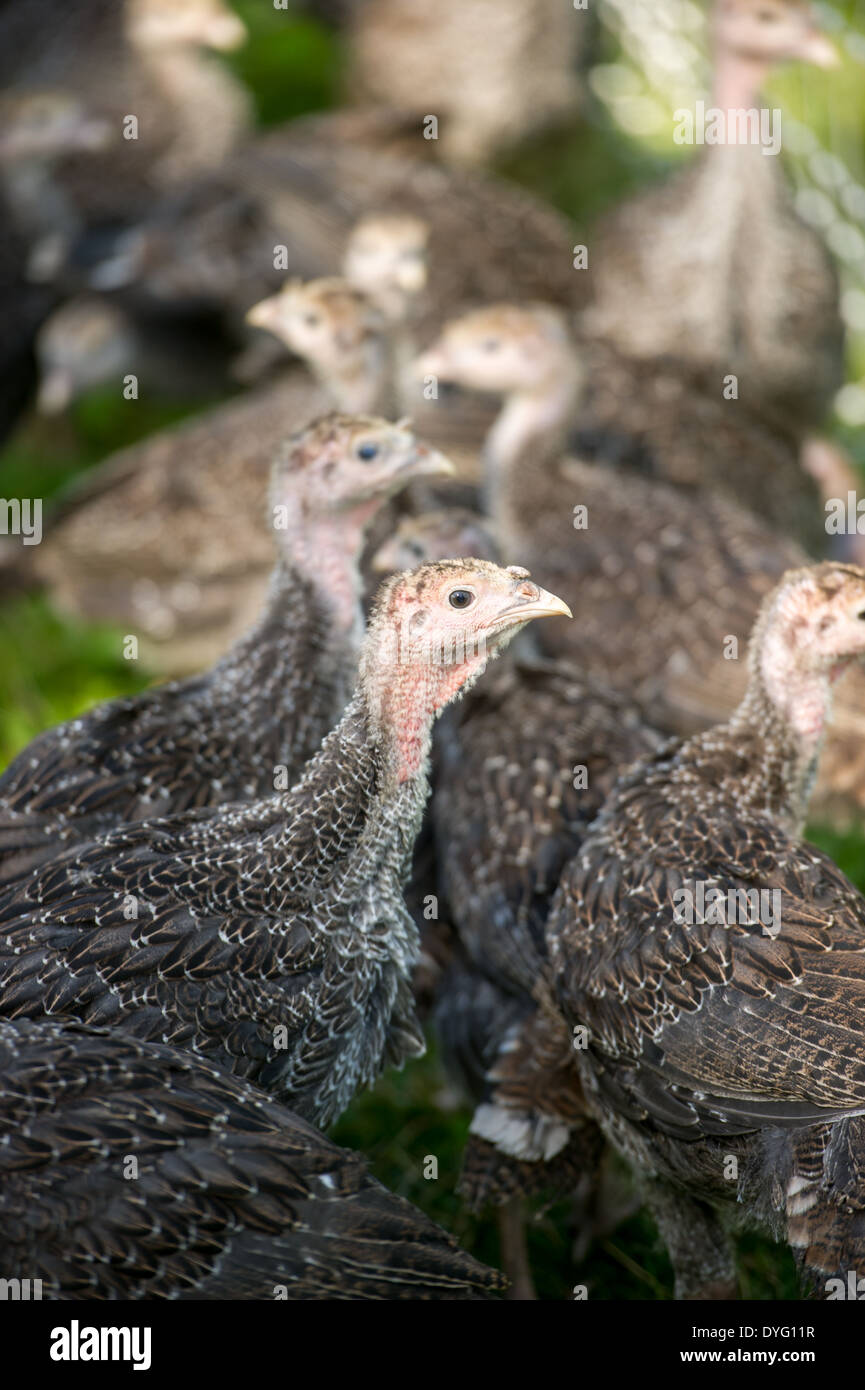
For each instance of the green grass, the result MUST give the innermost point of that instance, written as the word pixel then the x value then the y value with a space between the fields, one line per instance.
pixel 59 669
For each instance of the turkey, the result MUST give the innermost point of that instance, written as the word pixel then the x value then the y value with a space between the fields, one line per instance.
pixel 300 190
pixel 669 575
pixel 273 935
pixel 93 341
pixel 131 1170
pixel 144 108
pixel 165 537
pixel 712 964
pixel 658 418
pixel 714 265
pixel 520 769
pixel 494 71
pixel 261 713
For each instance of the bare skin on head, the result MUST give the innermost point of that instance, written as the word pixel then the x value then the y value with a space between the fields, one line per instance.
pixel 353 464
pixel 752 36
pixel 431 635
pixel 810 631
pixel 524 353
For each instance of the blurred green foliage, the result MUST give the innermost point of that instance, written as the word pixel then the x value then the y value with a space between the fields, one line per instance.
pixel 53 668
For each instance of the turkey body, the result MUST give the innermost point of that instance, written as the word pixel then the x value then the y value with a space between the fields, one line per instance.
pixel 223 736
pixel 232 1196
pixel 507 816
pixel 711 1041
pixel 271 936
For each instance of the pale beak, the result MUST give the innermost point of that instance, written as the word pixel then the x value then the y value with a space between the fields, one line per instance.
pixel 224 32
pixel 55 393
pixel 265 314
pixel 429 463
pixel 546 605
pixel 819 50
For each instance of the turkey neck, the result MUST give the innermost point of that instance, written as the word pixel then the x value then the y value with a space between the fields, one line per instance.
pixel 530 426
pixel 767 753
pixel 209 113
pixel 365 386
pixel 300 658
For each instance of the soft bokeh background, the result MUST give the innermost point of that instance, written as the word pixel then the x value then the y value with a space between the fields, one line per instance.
pixel 650 60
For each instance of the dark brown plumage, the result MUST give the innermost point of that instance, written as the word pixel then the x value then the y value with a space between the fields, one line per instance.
pixel 723 1052
pixel 273 935
pixel 520 769
pixel 232 1196
pixel 251 723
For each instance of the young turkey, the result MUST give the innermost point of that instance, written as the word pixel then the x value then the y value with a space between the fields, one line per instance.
pixel 273 935
pixel 141 61
pixel 303 189
pixel 659 418
pixel 624 514
pixel 261 713
pixel 165 537
pixel 520 769
pixel 95 340
pixel 232 1195
pixel 712 963
pixel 494 71
pixel 714 265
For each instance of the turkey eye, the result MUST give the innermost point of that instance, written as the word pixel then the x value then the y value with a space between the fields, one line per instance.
pixel 460 598
pixel 311 320
pixel 367 452
pixel 491 345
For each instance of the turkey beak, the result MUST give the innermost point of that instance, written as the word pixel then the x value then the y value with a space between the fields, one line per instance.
pixel 265 314
pixel 224 32
pixel 542 605
pixel 428 463
pixel 55 393
pixel 817 49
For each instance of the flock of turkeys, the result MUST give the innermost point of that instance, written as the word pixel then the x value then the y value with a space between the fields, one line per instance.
pixel 215 920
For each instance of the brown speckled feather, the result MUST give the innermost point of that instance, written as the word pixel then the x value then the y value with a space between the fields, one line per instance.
pixel 233 1197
